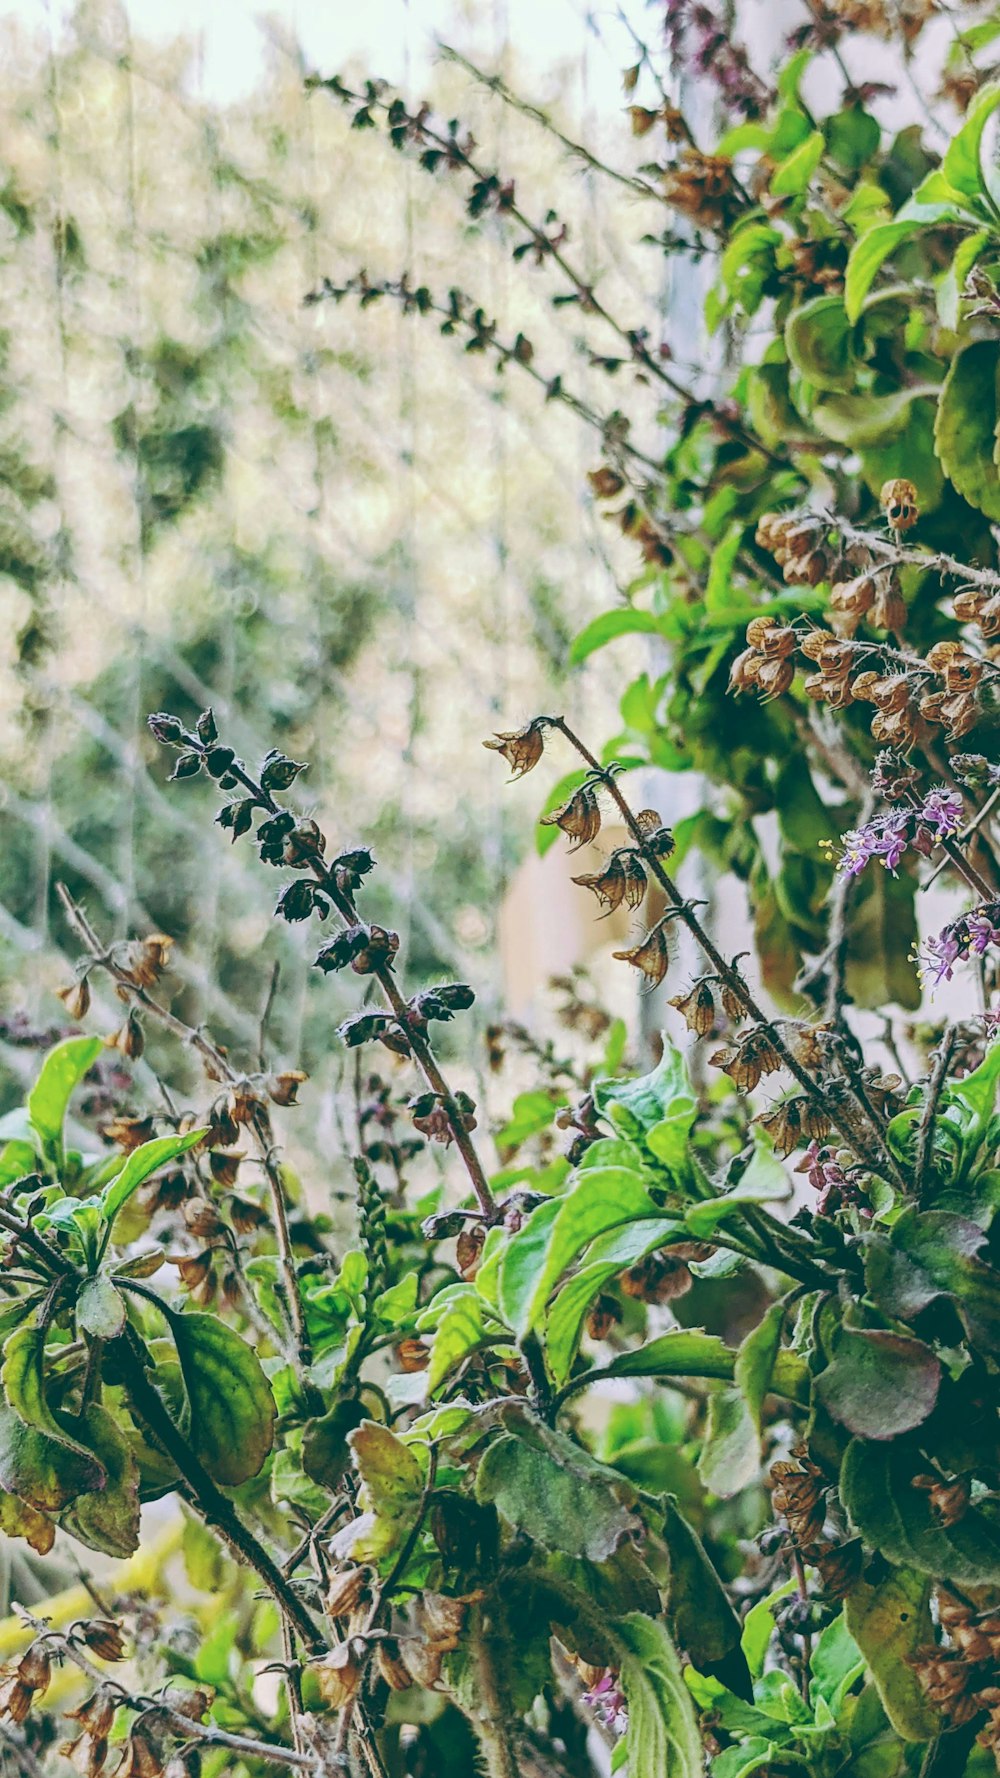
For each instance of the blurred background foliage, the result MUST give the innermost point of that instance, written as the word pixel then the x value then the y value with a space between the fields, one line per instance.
pixel 353 539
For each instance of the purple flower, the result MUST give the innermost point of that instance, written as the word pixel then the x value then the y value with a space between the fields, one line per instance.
pixel 889 835
pixel 969 935
pixel 608 1699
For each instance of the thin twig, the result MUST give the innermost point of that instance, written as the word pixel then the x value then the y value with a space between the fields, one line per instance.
pixel 219 1068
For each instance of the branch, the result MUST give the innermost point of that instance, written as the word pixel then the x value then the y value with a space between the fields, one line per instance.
pixel 219 1068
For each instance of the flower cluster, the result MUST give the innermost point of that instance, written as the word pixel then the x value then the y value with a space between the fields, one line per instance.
pixel 969 936
pixel 889 835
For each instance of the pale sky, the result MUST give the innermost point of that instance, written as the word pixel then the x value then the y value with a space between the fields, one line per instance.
pixel 392 37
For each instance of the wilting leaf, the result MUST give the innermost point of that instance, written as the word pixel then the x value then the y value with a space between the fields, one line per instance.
pixel 100 1310
pixel 932 1254
pixel 109 1519
pixel 141 1163
pixel 889 1622
pixel 393 1478
pixel 663 1732
pixel 879 1384
pixel 61 1072
pixel 876 1486
pixel 18 1519
pixel 232 1409
pixel 545 1485
pixel 38 1460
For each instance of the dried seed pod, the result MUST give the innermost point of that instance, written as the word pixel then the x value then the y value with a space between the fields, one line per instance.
pixel 889 610
pixel 854 597
pixel 412 1355
pixel 697 1006
pixel 391 1667
pixel 797 1495
pixel 758 630
pixel 651 956
pixel 246 1216
pixel 225 1168
pixel 604 1314
pixel 442 1619
pixel 346 1590
pixel 76 998
pixel 423 1661
pixel 609 885
pixel 468 1249
pixel 128 1040
pixel 522 748
pixel 813 644
pixel 338 1676
pixel 744 670
pixel 103 1637
pixel 949 1501
pixel 898 499
pixel 128 1132
pixel 283 1088
pixel 839 1565
pixel 579 818
pixel 95 1715
pixel 968 604
pixel 202 1220
pixel 649 821
pixel 635 879
pixel 774 678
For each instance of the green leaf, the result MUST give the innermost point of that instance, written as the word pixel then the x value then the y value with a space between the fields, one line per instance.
pixel 965 431
pixel 531 1113
pixel 326 1454
pixel 38 1460
pixel 62 1071
pixel 649 1097
pixel 100 1311
pixel 949 291
pixel 889 1622
pixel 860 420
pixel 231 1427
pixel 562 1498
pixel 107 1520
pixel 624 621
pixel 461 1329
pixel 688 1352
pixel 763 1182
pixel 730 1454
pixel 393 1479
pixel 962 165
pixel 879 1384
pixel 978 1090
pixel 931 1254
pixel 836 1663
pixel 555 1233
pixel 663 1732
pixel 794 174
pixel 758 1627
pixel 143 1161
pixel 743 1761
pixel 852 137
pixel 609 1256
pixel 868 254
pixel 876 1486
pixel 756 1359
pixel 819 340
pixel 699 1611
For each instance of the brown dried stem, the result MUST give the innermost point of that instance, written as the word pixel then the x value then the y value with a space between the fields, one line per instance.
pixel 219 1068
pixel 727 973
